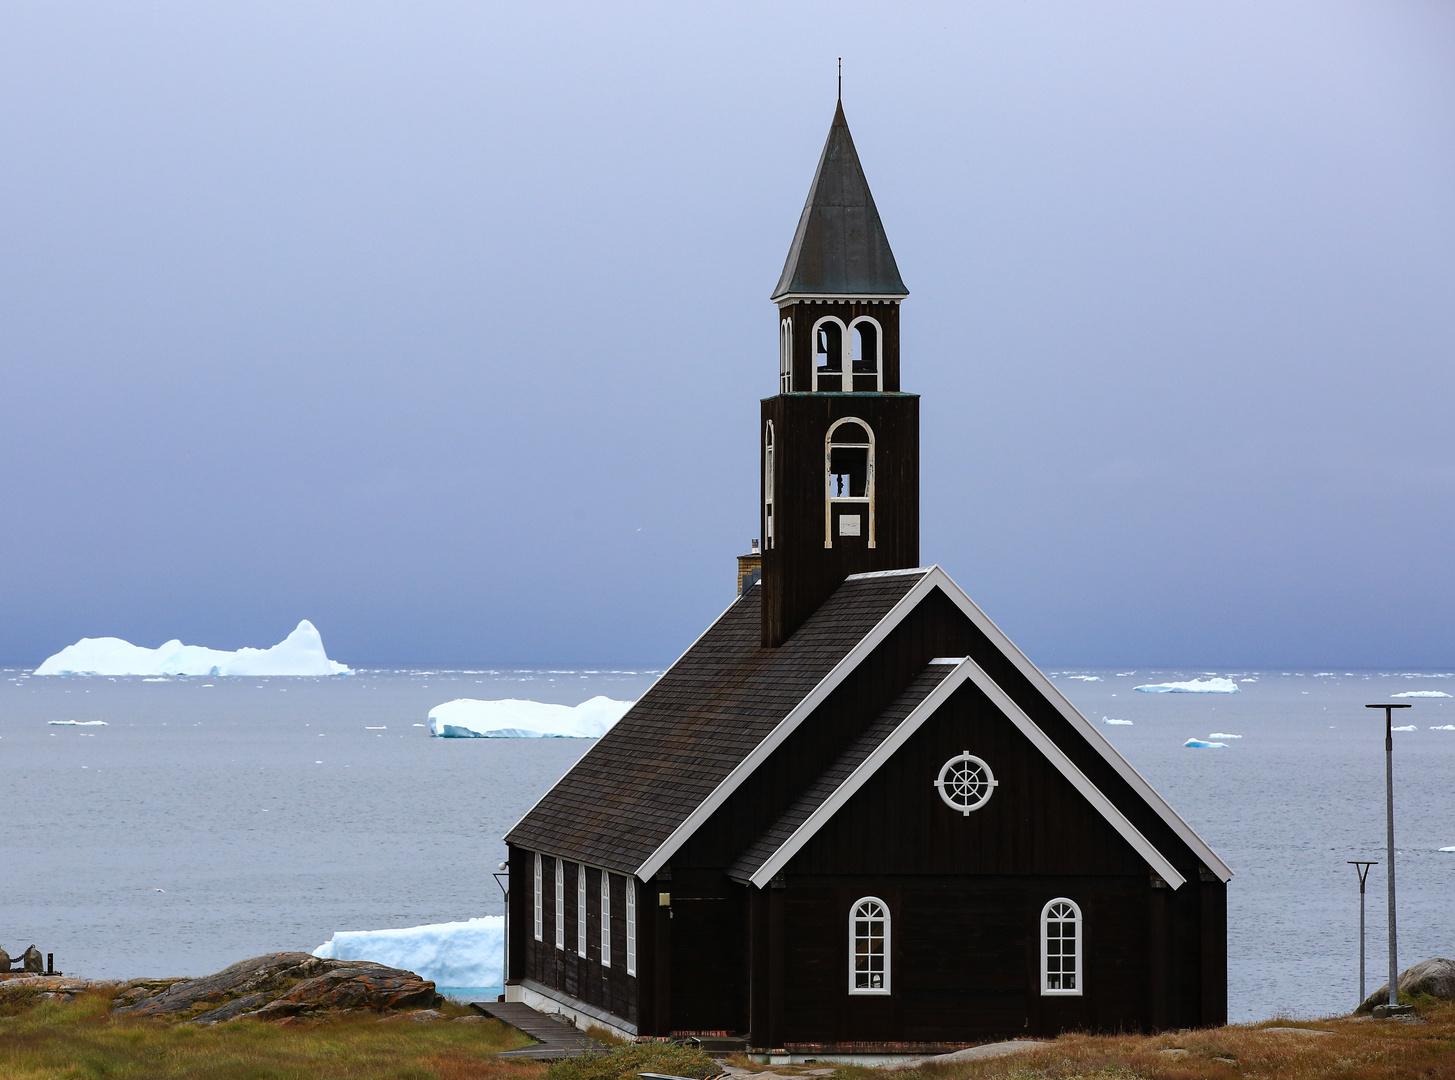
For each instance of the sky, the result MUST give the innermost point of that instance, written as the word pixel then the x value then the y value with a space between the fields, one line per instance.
pixel 444 325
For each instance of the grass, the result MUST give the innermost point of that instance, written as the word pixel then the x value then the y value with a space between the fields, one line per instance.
pixel 81 1041
pixel 624 1062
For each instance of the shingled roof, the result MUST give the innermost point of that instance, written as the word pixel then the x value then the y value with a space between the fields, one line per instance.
pixel 840 248
pixel 701 720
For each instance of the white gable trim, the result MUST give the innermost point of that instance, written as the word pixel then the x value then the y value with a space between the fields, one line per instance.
pixel 1087 729
pixel 785 727
pixel 967 671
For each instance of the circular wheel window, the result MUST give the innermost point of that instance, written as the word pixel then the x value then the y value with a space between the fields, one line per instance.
pixel 965 783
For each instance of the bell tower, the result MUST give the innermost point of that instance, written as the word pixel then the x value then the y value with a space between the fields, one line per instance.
pixel 840 440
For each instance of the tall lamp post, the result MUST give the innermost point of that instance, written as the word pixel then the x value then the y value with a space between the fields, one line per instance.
pixel 1393 1006
pixel 1362 868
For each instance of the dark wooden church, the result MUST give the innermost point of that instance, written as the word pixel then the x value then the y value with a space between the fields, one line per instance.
pixel 853 817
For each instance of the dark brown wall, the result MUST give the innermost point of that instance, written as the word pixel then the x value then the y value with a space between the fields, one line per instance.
pixel 799 572
pixel 804 315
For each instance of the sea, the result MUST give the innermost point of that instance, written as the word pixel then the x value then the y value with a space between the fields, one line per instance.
pixel 211 819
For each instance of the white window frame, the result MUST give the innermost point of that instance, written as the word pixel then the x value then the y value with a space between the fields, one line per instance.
pixel 605 919
pixel 540 900
pixel 855 917
pixel 631 926
pixel 768 452
pixel 846 351
pixel 580 909
pixel 828 478
pixel 878 351
pixel 785 356
pixel 560 920
pixel 1076 973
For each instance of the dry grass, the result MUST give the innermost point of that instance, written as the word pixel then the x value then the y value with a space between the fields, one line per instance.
pixel 81 1040
pixel 1356 1050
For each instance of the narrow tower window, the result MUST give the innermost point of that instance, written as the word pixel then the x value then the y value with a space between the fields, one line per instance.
pixel 829 337
pixel 605 919
pixel 1061 947
pixel 868 369
pixel 560 919
pixel 540 901
pixel 580 909
pixel 869 947
pixel 631 926
pixel 785 356
pixel 768 486
pixel 848 481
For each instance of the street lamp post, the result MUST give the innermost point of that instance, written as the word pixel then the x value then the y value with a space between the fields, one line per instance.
pixel 1362 868
pixel 1393 1006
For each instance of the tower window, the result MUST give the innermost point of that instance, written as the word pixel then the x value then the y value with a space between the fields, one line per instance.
pixel 848 481
pixel 869 947
pixel 829 338
pixel 768 486
pixel 1060 947
pixel 867 358
pixel 785 356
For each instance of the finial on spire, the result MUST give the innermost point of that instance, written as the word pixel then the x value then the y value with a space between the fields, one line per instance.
pixel 841 80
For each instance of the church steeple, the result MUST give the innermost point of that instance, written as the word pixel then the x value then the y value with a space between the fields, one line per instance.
pixel 840 441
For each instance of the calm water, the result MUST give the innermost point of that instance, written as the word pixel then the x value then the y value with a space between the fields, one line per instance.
pixel 213 819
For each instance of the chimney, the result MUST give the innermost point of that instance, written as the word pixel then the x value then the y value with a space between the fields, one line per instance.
pixel 750 569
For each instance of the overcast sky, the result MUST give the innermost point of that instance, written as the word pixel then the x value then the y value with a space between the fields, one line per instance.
pixel 445 325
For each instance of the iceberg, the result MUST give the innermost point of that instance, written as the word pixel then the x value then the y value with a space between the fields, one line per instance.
pixel 1406 727
pixel 1443 727
pixel 1085 678
pixel 468 953
pixel 1421 693
pixel 76 723
pixel 1192 686
pixel 300 653
pixel 1206 745
pixel 1450 849
pixel 1223 735
pixel 470 718
pixel 1115 722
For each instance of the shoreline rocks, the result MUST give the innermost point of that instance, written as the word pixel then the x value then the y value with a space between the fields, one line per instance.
pixel 1435 977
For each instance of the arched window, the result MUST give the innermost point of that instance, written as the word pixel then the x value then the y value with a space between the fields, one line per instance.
pixel 848 481
pixel 768 486
pixel 785 356
pixel 560 919
pixel 605 919
pixel 1061 947
pixel 867 355
pixel 580 909
pixel 829 338
pixel 540 901
pixel 869 947
pixel 631 926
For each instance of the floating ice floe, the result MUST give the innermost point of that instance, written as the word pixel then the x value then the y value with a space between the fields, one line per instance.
pixel 1405 727
pixel 1115 722
pixel 1192 686
pixel 1443 727
pixel 1450 849
pixel 1199 744
pixel 1085 678
pixel 465 953
pixel 300 653
pixel 469 718
pixel 1421 693
pixel 76 723
pixel 1223 735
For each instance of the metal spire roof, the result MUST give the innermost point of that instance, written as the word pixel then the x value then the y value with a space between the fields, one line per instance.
pixel 840 248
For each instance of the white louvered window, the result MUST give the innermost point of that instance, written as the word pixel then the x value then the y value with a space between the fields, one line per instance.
pixel 540 901
pixel 631 926
pixel 869 947
pixel 1061 947
pixel 605 919
pixel 560 904
pixel 580 909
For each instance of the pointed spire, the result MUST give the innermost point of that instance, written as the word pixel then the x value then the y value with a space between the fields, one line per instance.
pixel 840 248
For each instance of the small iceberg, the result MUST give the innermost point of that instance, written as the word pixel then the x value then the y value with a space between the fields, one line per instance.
pixel 1405 727
pixel 76 723
pixel 469 718
pixel 300 653
pixel 1443 727
pixel 465 953
pixel 1115 722
pixel 1449 849
pixel 1192 686
pixel 1421 693
pixel 1199 744
pixel 1223 735
pixel 1085 678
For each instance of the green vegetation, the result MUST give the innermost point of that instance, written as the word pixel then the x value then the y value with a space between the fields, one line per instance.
pixel 81 1041
pixel 625 1062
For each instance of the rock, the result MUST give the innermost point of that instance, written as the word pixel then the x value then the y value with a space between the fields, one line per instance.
pixel 272 971
pixel 354 984
pixel 419 1016
pixel 471 1020
pixel 1435 977
pixel 34 962
pixel 232 1010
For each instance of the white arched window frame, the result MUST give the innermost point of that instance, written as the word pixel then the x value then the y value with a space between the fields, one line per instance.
pixel 831 498
pixel 1061 948
pixel 540 901
pixel 560 919
pixel 605 919
pixel 785 356
pixel 580 909
pixel 835 366
pixel 631 926
pixel 869 946
pixel 768 485
pixel 866 365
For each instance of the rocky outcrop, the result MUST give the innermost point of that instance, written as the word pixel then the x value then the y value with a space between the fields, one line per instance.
pixel 281 987
pixel 1435 977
